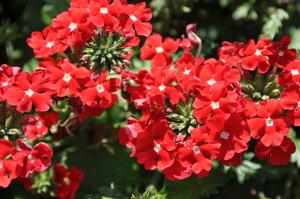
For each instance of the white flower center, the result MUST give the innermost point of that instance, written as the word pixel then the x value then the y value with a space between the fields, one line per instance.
pixel 298 104
pixel 186 71
pixel 196 149
pixel 139 102
pixel 269 121
pixel 103 10
pixel 67 181
pixel 133 18
pixel 67 77
pixel 39 124
pixel 211 82
pixel 72 26
pixel 148 87
pixel 162 87
pixel 224 135
pixel 29 92
pixel 258 52
pixel 50 44
pixel 100 88
pixel 4 84
pixel 159 49
pixel 281 53
pixel 295 72
pixel 215 105
pixel 29 157
pixel 156 148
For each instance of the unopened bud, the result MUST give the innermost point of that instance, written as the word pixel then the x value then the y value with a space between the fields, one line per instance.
pixel 275 93
pixel 269 87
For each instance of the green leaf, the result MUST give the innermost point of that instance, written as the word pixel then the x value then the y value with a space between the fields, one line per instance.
pixel 295 158
pixel 102 169
pixel 242 11
pixel 246 170
pixel 30 65
pixel 295 38
pixel 273 22
pixel 196 187
pixel 150 193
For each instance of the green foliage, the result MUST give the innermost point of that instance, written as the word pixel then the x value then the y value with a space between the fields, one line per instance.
pixel 245 11
pixel 296 156
pixel 194 187
pixel 247 169
pixel 274 21
pixel 150 193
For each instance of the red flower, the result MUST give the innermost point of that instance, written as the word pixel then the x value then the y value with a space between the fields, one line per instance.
pixel 161 82
pixel 100 92
pixel 276 155
pixel 219 101
pixel 37 159
pixel 46 43
pixel 159 51
pixel 79 3
pixel 30 89
pixel 101 15
pixel 34 128
pixel 68 78
pixel 290 73
pixel 213 72
pixel 255 55
pixel 154 146
pixel 37 127
pixel 134 17
pixel 9 168
pixel 198 153
pixel 128 134
pixel 177 171
pixel 68 181
pixel 233 135
pixel 188 67
pixel 229 53
pixel 7 78
pixel 269 126
pixel 281 54
pixel 290 100
pixel 72 27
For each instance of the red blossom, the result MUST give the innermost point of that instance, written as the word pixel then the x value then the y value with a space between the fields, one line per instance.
pixel 46 43
pixel 9 169
pixel 159 51
pixel 276 155
pixel 67 181
pixel 30 90
pixel 269 126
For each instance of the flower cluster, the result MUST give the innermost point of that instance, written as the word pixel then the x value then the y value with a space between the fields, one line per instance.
pixel 109 28
pixel 22 160
pixel 77 56
pixel 193 111
pixel 199 110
